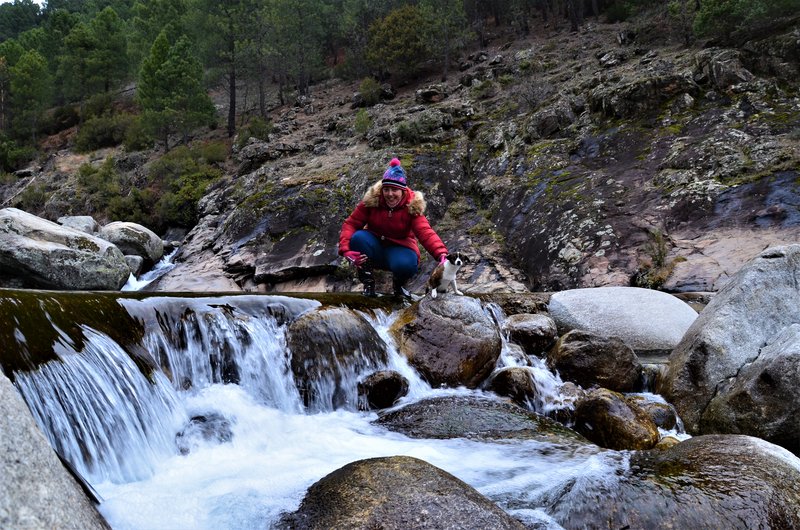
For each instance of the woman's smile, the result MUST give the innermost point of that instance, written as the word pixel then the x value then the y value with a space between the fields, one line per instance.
pixel 392 196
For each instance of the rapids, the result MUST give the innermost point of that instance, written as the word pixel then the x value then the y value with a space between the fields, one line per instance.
pixel 218 379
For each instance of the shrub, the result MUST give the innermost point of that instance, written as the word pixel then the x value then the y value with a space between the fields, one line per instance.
pixel 137 138
pixel 13 155
pixel 363 122
pixel 211 152
pixel 370 91
pixel 721 18
pixel 107 130
pixel 62 118
pixel 97 105
pixel 32 198
pixel 256 127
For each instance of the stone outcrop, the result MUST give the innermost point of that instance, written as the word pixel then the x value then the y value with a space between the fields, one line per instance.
pixel 326 345
pixel 36 491
pixel 650 322
pixel 746 322
pixel 134 239
pixel 382 389
pixel 450 340
pixel 84 223
pixel 35 252
pixel 704 482
pixel 764 398
pixel 395 493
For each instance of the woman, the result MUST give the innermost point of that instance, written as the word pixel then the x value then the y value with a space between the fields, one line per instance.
pixel 382 232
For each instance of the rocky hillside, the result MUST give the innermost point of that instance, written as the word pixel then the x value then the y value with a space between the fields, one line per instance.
pixel 611 156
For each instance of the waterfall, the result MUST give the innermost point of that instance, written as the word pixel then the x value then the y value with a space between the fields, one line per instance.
pixel 184 414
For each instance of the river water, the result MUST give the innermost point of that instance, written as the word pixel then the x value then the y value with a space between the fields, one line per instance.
pixel 133 438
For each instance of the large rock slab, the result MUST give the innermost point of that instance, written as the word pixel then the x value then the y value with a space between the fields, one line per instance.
pixel 36 491
pixel 764 398
pixel 650 322
pixel 134 239
pixel 35 252
pixel 716 481
pixel 751 312
pixel 395 493
pixel 450 340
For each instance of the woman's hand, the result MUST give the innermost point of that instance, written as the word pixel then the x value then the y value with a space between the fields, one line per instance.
pixel 442 259
pixel 355 257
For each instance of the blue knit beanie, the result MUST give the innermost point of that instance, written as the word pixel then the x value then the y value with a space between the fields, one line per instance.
pixel 395 176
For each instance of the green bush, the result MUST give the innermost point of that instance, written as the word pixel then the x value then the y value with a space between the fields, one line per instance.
pixel 97 186
pixel 97 105
pixel 256 127
pixel 211 152
pixel 137 137
pixel 13 155
pixel 370 91
pixel 62 118
pixel 363 122
pixel 107 130
pixel 721 18
pixel 32 198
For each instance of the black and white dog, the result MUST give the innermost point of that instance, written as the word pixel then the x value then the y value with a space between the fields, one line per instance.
pixel 444 275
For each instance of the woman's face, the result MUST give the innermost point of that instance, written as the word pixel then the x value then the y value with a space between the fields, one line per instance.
pixel 392 196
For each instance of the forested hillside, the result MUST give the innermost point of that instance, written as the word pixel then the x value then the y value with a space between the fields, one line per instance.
pixel 166 112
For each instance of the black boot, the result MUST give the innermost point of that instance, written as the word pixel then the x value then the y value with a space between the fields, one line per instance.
pixel 366 276
pixel 399 290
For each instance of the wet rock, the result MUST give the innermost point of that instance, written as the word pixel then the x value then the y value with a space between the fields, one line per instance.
pixel 610 420
pixel 331 348
pixel 43 254
pixel 534 333
pixel 754 308
pixel 212 428
pixel 134 239
pixel 515 383
pixel 764 398
pixel 395 493
pixel 475 417
pixel 589 359
pixel 650 322
pixel 736 482
pixel 36 491
pixel 662 414
pixel 640 95
pixel 135 263
pixel 450 340
pixel 382 389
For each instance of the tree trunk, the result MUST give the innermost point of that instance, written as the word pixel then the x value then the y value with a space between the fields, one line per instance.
pixel 231 80
pixel 262 97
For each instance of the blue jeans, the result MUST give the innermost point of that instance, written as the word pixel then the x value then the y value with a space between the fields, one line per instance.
pixel 400 260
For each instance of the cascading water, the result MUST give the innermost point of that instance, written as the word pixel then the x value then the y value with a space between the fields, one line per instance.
pixel 215 434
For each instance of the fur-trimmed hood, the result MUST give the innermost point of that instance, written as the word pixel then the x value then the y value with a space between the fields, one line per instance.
pixel 414 200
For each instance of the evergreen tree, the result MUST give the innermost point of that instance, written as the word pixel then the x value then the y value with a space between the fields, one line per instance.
pixel 108 60
pixel 225 33
pixel 17 17
pixel 300 26
pixel 74 71
pixel 396 44
pixel 149 18
pixel 447 29
pixel 170 90
pixel 31 89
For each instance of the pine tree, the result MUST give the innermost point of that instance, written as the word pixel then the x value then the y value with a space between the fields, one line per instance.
pixel 447 28
pixel 108 61
pixel 396 43
pixel 170 90
pixel 31 90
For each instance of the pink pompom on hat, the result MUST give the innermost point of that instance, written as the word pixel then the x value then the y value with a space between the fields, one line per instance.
pixel 395 176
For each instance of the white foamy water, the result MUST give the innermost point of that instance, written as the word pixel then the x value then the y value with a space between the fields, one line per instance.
pixel 228 363
pixel 159 269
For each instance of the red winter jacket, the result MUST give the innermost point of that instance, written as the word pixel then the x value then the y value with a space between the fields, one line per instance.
pixel 399 225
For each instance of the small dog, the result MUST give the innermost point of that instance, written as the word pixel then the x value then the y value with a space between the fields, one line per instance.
pixel 445 275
